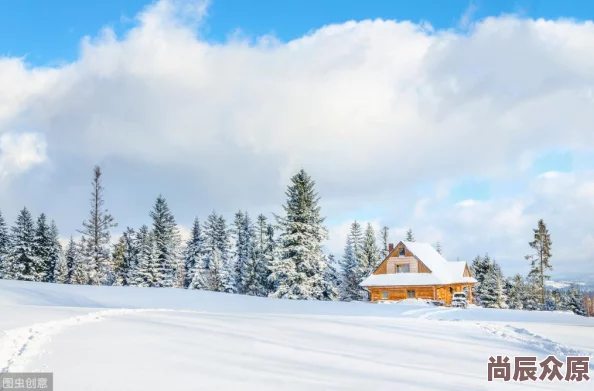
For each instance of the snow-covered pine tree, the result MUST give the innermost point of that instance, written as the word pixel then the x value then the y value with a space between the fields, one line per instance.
pixel 21 263
pixel 299 271
pixel 370 253
pixel 532 294
pixel 96 252
pixel 353 267
pixel 492 292
pixel 146 271
pixel 332 280
pixel 61 271
pixel 42 250
pixel 244 262
pixel 4 244
pixel 194 255
pixel 258 285
pixel 168 244
pixel 71 257
pixel 270 254
pixel 217 239
pixel 120 268
pixel 479 268
pixel 516 294
pixel 80 268
pixel 574 301
pixel 540 258
pixel 410 237
pixel 216 278
pixel 384 235
pixel 130 255
pixel 56 251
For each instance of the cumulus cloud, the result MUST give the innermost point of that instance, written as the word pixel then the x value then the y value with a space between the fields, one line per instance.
pixel 371 109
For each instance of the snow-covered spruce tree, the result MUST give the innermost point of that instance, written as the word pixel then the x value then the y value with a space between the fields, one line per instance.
pixel 492 292
pixel 574 301
pixel 61 271
pixel 332 280
pixel 532 294
pixel 56 251
pixel 244 262
pixel 130 256
pixel 384 235
pixel 194 255
pixel 370 253
pixel 120 268
pixel 410 237
pixel 299 271
pixel 146 271
pixel 217 240
pixel 353 267
pixel 71 257
pixel 270 255
pixel 96 252
pixel 516 295
pixel 42 250
pixel 257 284
pixel 21 263
pixel 4 244
pixel 541 245
pixel 168 244
pixel 479 268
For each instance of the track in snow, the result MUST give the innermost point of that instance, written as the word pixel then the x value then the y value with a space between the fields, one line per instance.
pixel 19 345
pixel 534 341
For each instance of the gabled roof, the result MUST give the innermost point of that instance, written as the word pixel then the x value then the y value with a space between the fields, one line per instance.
pixel 442 271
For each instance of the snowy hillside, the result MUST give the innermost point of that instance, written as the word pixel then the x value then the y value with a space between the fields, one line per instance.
pixel 121 338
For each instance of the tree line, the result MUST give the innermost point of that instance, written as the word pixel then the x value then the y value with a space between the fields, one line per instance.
pixel 529 292
pixel 281 257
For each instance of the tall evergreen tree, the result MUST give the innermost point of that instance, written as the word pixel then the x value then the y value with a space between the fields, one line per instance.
pixel 61 271
pixel 96 253
pixel 120 267
pixel 21 262
pixel 479 268
pixel 410 237
pixel 168 244
pixel 299 271
pixel 4 244
pixel 194 255
pixel 540 258
pixel 370 253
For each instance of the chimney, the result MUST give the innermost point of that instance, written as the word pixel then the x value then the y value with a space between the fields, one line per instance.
pixel 390 247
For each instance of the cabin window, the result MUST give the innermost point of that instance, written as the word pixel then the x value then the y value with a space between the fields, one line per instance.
pixel 410 294
pixel 384 295
pixel 401 252
pixel 402 268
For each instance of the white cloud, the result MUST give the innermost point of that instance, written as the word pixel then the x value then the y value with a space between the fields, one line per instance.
pixel 19 152
pixel 371 109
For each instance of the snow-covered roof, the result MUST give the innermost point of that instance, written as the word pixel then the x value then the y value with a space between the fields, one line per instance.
pixel 442 271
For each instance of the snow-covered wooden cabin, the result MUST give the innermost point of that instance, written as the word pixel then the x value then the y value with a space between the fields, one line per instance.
pixel 417 270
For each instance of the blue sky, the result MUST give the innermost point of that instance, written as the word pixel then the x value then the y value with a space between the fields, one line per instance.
pixel 48 32
pixel 384 115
